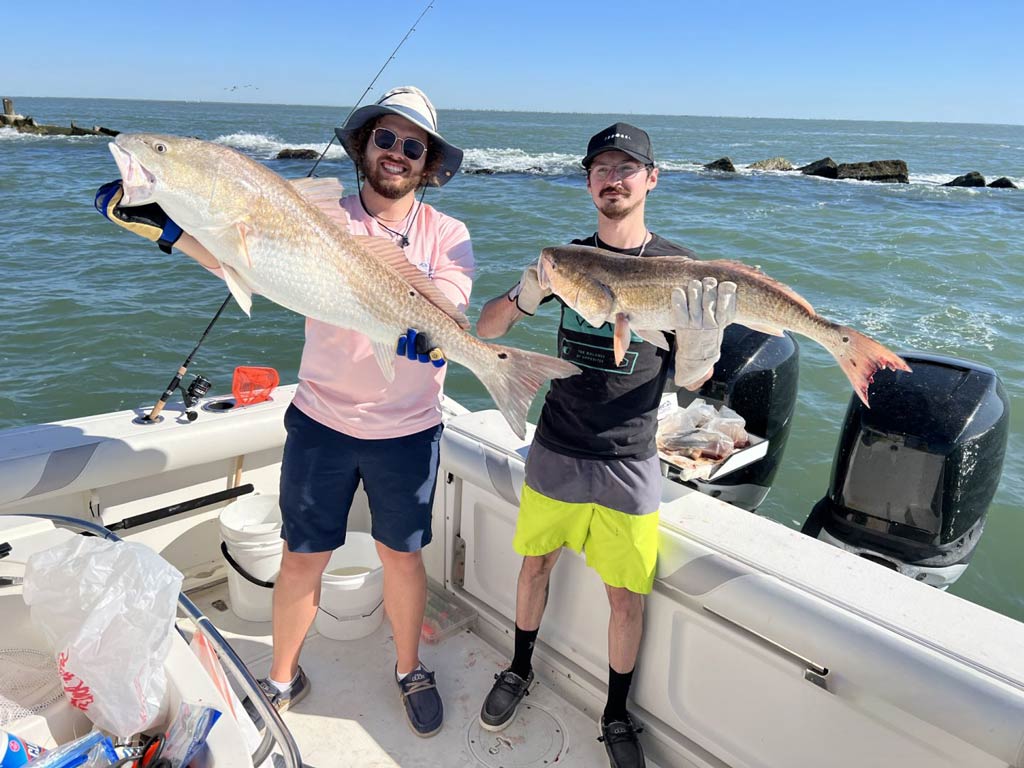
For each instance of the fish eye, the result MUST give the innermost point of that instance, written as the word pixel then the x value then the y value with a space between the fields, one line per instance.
pixel 160 147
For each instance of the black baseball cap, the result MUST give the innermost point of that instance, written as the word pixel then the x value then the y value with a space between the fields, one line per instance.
pixel 624 137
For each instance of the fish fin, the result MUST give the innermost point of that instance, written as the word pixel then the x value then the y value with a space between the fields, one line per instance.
pixel 861 356
pixel 243 242
pixel 655 337
pixel 324 194
pixel 389 253
pixel 721 268
pixel 771 330
pixel 622 337
pixel 514 377
pixel 238 288
pixel 385 354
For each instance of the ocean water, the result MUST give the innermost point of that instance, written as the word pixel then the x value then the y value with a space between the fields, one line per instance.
pixel 94 319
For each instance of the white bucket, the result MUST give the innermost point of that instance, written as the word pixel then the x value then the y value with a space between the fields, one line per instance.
pixel 352 591
pixel 251 530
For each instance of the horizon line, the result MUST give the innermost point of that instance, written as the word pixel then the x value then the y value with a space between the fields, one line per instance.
pixel 522 111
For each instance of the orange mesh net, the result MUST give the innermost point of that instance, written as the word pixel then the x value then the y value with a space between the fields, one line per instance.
pixel 252 384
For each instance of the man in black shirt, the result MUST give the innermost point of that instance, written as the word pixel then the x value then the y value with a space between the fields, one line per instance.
pixel 593 479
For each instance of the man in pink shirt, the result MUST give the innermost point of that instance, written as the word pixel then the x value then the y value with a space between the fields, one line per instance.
pixel 348 424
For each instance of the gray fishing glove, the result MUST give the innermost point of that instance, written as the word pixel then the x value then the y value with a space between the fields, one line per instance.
pixel 700 312
pixel 528 294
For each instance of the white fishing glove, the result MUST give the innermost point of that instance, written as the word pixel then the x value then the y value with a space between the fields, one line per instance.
pixel 700 313
pixel 528 294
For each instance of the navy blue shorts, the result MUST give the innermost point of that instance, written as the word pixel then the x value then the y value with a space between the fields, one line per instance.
pixel 321 470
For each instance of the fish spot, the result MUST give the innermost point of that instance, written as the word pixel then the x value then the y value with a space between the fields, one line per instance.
pixel 846 339
pixel 503 356
pixel 412 293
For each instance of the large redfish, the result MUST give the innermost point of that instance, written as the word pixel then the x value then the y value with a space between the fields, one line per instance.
pixel 636 293
pixel 288 241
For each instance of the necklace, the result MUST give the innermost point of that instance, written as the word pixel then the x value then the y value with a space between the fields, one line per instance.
pixel 643 245
pixel 403 237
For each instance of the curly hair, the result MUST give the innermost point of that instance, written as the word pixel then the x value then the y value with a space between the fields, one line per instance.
pixel 430 169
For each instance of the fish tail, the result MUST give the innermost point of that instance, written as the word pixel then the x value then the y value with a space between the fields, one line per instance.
pixel 513 376
pixel 860 356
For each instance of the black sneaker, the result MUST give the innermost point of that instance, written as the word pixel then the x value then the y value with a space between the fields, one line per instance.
pixel 281 700
pixel 423 707
pixel 501 703
pixel 621 743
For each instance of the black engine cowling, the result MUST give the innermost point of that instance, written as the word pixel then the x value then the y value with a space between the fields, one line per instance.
pixel 914 474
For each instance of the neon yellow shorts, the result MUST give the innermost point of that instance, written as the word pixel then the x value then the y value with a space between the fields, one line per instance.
pixel 622 548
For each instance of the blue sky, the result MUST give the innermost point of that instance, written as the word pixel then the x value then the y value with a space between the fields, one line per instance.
pixel 933 61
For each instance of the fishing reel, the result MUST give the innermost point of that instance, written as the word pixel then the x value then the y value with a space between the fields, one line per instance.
pixel 196 391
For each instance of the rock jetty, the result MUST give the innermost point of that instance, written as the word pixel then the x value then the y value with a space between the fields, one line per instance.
pixel 721 164
pixel 772 164
pixel 22 124
pixel 298 154
pixel 972 179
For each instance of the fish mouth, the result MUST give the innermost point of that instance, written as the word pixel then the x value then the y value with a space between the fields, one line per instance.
pixel 137 182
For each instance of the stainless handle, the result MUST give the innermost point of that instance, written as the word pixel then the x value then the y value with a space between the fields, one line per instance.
pixel 813 672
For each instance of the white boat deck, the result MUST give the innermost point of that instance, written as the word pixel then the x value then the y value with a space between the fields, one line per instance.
pixel 353 715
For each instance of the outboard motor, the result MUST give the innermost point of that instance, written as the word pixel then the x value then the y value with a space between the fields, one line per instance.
pixel 757 377
pixel 913 476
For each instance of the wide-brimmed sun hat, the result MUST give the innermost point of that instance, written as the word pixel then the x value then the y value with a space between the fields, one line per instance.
pixel 409 102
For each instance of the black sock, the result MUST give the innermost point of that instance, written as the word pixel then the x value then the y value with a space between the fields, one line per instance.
pixel 618 690
pixel 524 651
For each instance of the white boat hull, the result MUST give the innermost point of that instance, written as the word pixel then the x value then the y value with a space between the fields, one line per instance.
pixel 763 648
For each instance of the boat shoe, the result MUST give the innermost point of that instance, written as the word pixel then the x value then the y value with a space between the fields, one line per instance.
pixel 280 700
pixel 621 743
pixel 501 703
pixel 423 707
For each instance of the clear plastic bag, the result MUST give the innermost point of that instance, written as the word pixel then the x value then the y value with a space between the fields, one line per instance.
pixel 696 437
pixel 702 430
pixel 107 609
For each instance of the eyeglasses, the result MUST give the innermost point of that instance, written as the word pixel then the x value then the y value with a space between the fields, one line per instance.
pixel 411 148
pixel 621 172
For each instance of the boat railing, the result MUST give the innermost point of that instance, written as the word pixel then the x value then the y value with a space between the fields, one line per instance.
pixel 276 731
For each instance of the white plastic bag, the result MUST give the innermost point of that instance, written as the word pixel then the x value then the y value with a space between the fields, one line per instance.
pixel 107 609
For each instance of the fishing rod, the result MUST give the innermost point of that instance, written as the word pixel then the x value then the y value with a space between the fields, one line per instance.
pixel 201 385
pixel 375 77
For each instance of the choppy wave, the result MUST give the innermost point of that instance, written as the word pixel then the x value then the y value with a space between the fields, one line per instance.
pixel 513 160
pixel 267 146
pixel 9 134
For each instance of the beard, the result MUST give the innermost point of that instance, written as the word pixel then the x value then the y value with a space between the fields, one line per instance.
pixel 617 208
pixel 387 185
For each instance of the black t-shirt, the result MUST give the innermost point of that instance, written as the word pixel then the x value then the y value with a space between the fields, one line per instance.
pixel 607 411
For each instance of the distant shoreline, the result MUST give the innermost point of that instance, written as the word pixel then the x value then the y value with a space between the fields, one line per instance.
pixel 346 107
